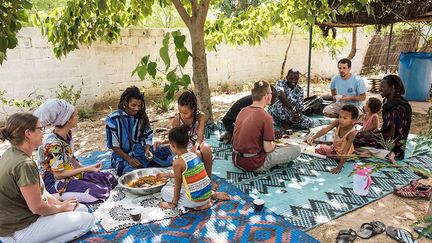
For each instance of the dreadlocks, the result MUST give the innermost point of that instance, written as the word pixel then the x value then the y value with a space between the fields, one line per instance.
pixel 134 93
pixel 396 82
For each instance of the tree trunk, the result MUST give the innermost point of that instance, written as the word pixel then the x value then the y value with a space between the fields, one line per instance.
pixel 286 53
pixel 200 76
pixel 353 44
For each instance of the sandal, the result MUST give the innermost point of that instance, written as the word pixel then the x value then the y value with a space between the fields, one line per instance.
pixel 346 236
pixel 414 190
pixel 400 235
pixel 367 230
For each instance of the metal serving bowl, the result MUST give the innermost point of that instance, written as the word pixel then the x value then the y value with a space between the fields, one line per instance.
pixel 136 174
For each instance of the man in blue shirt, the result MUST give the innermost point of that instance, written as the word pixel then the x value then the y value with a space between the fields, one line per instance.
pixel 130 137
pixel 346 88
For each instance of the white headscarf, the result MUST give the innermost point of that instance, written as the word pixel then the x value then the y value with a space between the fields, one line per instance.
pixel 54 112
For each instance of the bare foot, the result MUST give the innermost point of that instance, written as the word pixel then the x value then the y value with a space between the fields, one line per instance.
pixel 204 207
pixel 222 196
pixel 335 170
pixel 391 157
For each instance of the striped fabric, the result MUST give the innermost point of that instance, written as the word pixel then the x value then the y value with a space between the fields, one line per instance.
pixel 195 180
pixel 123 131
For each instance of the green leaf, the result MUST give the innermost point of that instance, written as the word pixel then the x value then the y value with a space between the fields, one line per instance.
pixel 170 94
pixel 171 76
pixel 144 59
pixel 142 71
pixel 25 4
pixel 163 51
pixel 166 88
pixel 21 15
pixel 2 57
pixel 12 42
pixel 3 44
pixel 182 57
pixel 179 41
pixel 341 10
pixel 151 69
pixel 185 80
pixel 101 4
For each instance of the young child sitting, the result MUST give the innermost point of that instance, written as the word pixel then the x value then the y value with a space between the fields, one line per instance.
pixel 344 136
pixel 370 120
pixel 196 121
pixel 192 186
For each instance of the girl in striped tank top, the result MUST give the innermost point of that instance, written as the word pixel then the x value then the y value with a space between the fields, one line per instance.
pixel 192 186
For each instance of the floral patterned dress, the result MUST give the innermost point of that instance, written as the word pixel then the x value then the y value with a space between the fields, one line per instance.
pixel 56 154
pixel 281 113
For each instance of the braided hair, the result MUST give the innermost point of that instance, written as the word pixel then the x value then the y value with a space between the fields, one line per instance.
pixel 188 98
pixel 396 82
pixel 134 93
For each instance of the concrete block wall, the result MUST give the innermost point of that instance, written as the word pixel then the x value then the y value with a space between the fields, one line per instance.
pixel 104 70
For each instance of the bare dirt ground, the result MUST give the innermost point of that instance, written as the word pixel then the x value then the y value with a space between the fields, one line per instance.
pixel 391 210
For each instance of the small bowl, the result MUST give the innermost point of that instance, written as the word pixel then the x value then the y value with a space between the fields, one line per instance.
pixel 258 204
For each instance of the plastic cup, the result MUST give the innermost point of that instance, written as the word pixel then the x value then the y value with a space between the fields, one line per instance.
pixel 136 214
pixel 258 204
pixel 338 97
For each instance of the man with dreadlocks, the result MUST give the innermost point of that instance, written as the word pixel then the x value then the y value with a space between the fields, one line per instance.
pixel 129 135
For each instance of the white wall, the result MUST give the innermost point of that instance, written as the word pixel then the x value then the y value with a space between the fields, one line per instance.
pixel 105 70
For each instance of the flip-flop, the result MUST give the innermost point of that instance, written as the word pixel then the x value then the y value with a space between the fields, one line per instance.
pixel 367 230
pixel 346 236
pixel 400 235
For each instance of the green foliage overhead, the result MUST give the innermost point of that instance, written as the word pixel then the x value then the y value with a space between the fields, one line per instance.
pixel 47 5
pixel 12 15
pixel 232 8
pixel 244 29
pixel 85 21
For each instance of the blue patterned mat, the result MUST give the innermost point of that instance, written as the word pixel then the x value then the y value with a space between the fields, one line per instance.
pixel 304 191
pixel 227 221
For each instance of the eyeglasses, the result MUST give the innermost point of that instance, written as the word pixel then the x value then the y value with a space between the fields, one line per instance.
pixel 40 128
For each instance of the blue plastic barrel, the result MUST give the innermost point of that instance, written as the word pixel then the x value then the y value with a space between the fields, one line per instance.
pixel 415 70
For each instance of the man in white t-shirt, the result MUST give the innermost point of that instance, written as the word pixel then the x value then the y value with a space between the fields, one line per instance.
pixel 346 88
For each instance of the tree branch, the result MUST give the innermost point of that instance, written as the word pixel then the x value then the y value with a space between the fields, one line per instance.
pixel 194 7
pixel 353 44
pixel 202 12
pixel 182 12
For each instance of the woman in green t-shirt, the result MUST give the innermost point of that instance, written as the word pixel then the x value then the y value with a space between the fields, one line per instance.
pixel 26 209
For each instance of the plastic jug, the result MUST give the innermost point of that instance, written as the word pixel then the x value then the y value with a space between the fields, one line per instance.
pixel 362 180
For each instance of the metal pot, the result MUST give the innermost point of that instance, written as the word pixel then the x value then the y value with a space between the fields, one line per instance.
pixel 136 174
